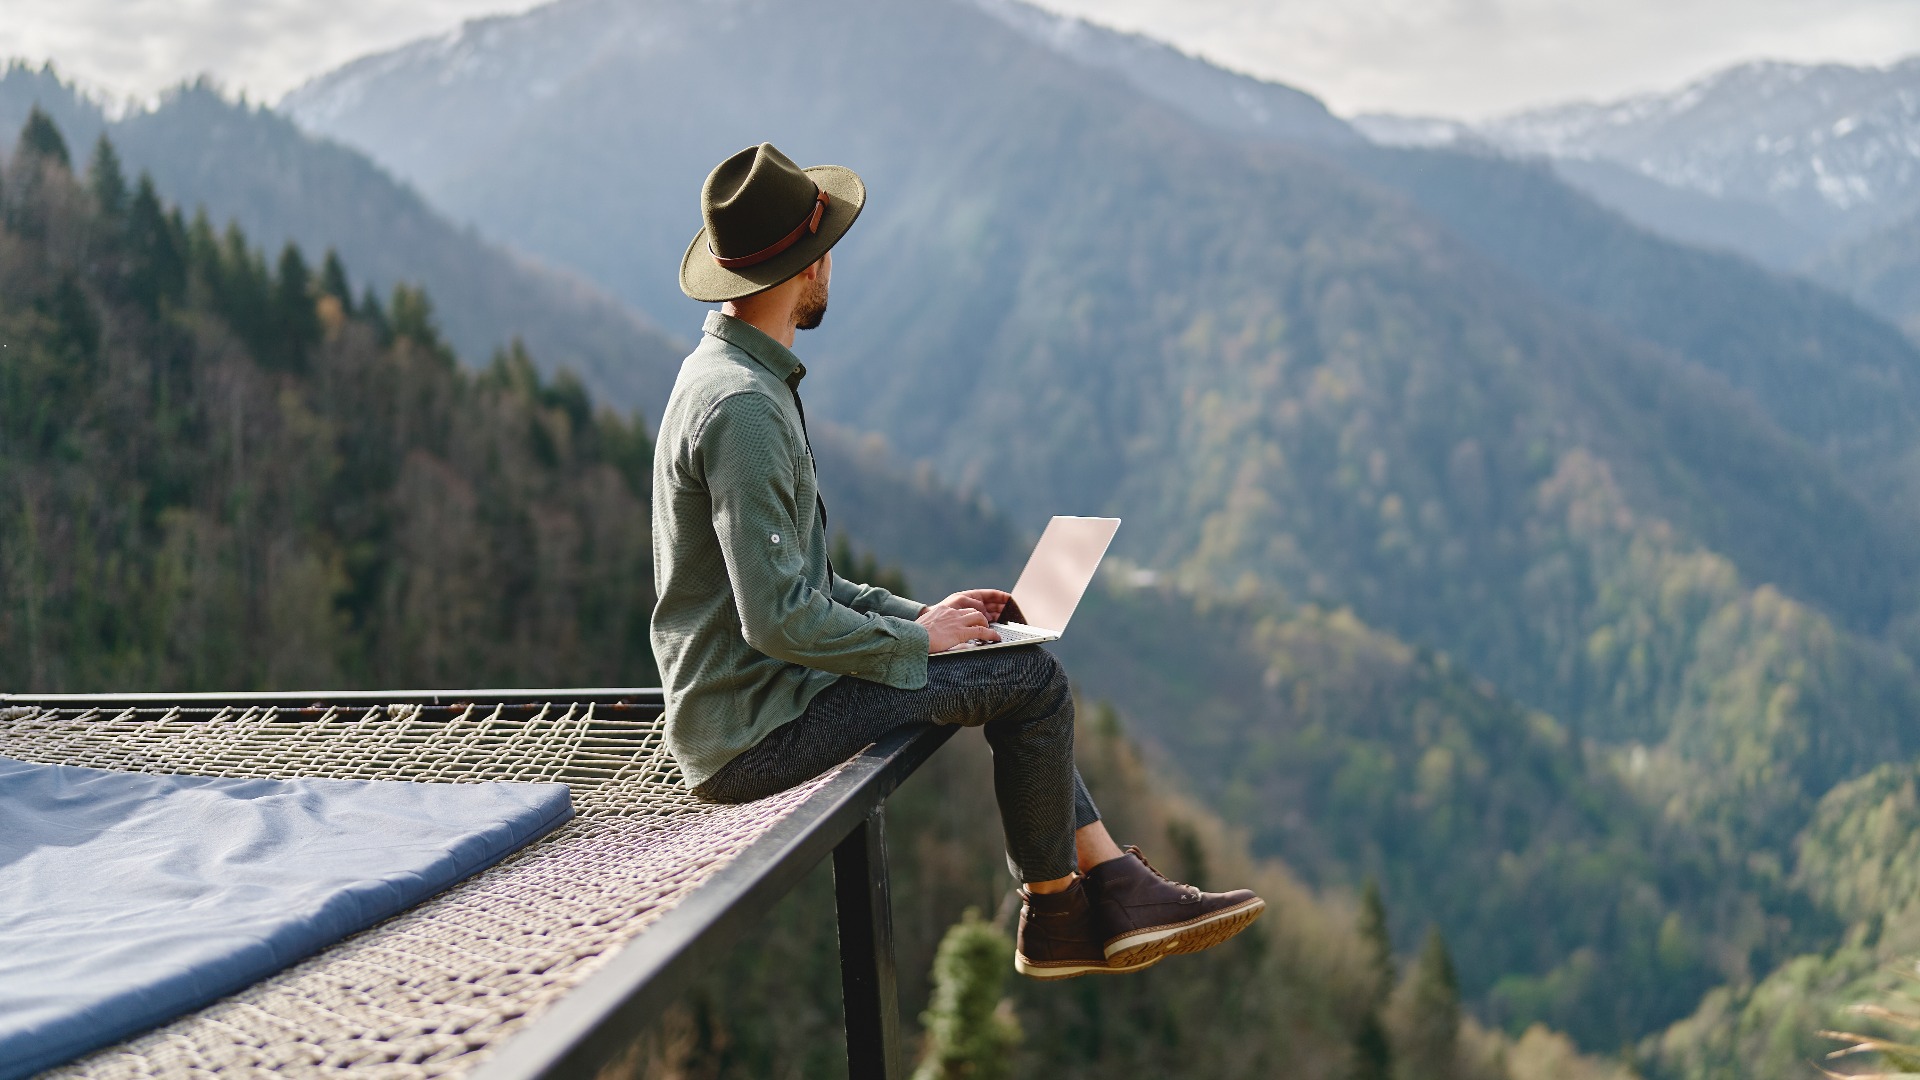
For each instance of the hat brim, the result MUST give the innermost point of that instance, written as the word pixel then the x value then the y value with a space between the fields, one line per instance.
pixel 708 282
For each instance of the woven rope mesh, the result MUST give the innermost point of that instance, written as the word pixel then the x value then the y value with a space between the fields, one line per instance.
pixel 429 991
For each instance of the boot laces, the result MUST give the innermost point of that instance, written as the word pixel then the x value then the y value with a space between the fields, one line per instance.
pixel 1193 891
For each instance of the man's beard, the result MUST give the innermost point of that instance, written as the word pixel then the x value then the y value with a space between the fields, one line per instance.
pixel 812 306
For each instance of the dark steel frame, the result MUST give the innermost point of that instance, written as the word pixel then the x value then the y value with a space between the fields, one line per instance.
pixel 602 1016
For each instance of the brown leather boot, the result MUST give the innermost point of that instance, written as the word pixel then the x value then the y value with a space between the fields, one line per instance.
pixel 1143 916
pixel 1059 937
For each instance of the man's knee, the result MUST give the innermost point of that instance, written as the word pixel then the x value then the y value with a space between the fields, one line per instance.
pixel 1041 670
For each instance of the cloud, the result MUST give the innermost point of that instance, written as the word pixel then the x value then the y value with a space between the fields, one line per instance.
pixel 1464 58
pixel 136 48
pixel 1473 58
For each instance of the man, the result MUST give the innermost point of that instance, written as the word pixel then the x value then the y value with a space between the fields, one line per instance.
pixel 777 669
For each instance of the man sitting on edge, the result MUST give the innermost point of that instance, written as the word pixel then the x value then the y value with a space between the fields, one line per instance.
pixel 776 669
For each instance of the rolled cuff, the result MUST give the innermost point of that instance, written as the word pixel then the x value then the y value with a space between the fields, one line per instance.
pixel 905 664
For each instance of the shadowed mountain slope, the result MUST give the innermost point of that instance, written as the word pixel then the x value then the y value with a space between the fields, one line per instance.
pixel 1820 366
pixel 1883 270
pixel 250 165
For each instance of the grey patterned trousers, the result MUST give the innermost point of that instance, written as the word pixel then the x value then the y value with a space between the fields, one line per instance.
pixel 1019 695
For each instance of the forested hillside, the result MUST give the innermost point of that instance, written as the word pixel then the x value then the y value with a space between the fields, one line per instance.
pixel 226 471
pixel 1883 270
pixel 249 165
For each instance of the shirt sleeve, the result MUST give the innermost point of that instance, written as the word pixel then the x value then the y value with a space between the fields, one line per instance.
pixel 746 456
pixel 875 599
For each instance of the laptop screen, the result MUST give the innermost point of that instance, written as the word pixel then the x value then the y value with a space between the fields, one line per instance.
pixel 1060 569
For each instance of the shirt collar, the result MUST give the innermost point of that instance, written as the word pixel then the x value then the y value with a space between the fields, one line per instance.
pixel 753 341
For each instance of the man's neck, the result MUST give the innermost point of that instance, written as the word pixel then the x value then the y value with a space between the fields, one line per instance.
pixel 776 323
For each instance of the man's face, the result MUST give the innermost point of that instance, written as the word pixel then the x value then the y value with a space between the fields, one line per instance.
pixel 812 306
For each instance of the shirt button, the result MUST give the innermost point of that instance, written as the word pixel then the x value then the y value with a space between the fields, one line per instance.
pixel 775 538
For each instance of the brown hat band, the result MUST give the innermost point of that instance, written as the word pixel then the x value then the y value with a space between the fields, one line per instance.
pixel 807 227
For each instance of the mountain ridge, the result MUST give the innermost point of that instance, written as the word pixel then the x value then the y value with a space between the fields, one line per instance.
pixel 251 165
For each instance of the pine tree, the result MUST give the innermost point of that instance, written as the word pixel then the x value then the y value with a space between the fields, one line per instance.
pixel 333 282
pixel 971 1032
pixel 412 317
pixel 156 249
pixel 375 315
pixel 1429 1045
pixel 1372 928
pixel 41 139
pixel 1373 1055
pixel 295 321
pixel 243 293
pixel 107 180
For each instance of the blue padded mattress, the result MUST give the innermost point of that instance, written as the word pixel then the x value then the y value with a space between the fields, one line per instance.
pixel 127 899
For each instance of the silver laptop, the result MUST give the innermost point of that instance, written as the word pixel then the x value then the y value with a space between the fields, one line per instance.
pixel 1057 575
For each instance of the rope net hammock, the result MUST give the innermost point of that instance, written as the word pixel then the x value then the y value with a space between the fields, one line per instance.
pixel 430 992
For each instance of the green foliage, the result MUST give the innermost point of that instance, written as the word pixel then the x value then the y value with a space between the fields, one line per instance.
pixel 864 567
pixel 412 319
pixel 971 1030
pixel 333 282
pixel 1372 1052
pixel 1898 1054
pixel 1571 901
pixel 1427 1020
pixel 107 180
pixel 1857 859
pixel 1374 935
pixel 156 247
pixel 41 140
pixel 1860 856
pixel 294 322
pixel 208 488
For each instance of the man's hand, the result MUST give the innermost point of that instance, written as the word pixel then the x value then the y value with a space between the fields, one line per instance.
pixel 963 617
pixel 989 602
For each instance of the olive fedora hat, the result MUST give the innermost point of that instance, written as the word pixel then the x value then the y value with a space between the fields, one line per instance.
pixel 767 219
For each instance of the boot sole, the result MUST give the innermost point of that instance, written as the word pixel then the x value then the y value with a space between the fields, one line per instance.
pixel 1073 970
pixel 1191 936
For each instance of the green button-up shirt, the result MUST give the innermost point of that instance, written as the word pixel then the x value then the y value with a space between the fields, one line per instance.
pixel 752 622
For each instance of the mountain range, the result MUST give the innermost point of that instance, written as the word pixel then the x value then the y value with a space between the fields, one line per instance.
pixel 228 472
pixel 1803 167
pixel 253 167
pixel 1547 568
pixel 1659 494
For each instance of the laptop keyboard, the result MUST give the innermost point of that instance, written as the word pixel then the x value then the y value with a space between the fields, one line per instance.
pixel 1008 636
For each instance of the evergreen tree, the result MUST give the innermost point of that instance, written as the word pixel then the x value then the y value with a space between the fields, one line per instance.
pixel 295 320
pixel 333 282
pixel 412 317
pixel 41 139
pixel 156 249
pixel 107 180
pixel 1373 1055
pixel 861 566
pixel 1372 927
pixel 971 1032
pixel 243 291
pixel 375 315
pixel 1429 1043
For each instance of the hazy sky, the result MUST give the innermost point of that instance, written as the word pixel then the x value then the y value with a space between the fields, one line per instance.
pixel 1464 58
